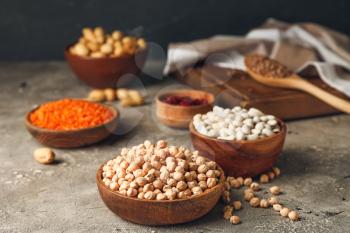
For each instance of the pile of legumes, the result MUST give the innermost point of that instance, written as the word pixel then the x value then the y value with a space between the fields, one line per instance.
pixel 160 172
pixel 70 114
pixel 236 124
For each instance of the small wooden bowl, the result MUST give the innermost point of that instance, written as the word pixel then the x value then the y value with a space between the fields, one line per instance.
pixel 154 212
pixel 72 138
pixel 105 72
pixel 180 116
pixel 241 158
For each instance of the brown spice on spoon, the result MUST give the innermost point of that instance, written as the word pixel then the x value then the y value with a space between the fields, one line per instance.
pixel 266 67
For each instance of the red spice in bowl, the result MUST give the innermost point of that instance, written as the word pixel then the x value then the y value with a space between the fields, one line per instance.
pixel 183 100
pixel 70 114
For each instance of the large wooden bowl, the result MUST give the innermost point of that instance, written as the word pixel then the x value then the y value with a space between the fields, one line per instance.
pixel 106 72
pixel 154 212
pixel 73 138
pixel 180 116
pixel 241 158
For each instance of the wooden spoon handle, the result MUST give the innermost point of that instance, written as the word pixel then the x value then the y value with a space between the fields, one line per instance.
pixel 323 95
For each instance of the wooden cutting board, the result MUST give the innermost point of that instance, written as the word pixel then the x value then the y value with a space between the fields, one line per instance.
pixel 235 87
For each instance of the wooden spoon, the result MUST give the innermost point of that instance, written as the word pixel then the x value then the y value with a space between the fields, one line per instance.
pixel 272 73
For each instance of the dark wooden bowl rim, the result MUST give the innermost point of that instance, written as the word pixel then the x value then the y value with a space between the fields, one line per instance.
pixel 99 180
pixel 110 107
pixel 210 100
pixel 241 142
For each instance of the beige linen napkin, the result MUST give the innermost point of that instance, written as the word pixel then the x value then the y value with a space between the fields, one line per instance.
pixel 305 48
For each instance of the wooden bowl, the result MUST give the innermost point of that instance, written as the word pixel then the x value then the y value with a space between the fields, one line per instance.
pixel 180 116
pixel 105 72
pixel 241 158
pixel 154 212
pixel 72 138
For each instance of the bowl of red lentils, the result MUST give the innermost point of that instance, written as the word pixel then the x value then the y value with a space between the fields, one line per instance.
pixel 159 184
pixel 71 123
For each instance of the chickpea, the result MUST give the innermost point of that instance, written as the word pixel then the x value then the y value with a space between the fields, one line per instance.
pixel 123 192
pixel 129 177
pixel 264 203
pixel 235 183
pixel 284 212
pixel 235 220
pixel 202 168
pixel 161 196
pixel 109 94
pixel 228 208
pixel 201 177
pixel 131 192
pixel 171 167
pixel 248 190
pixel 158 184
pixel 197 190
pixel 211 165
pixel 171 182
pixel 114 186
pixel 99 32
pixel 97 95
pixel 226 196
pixel 141 43
pixel 44 155
pixel 200 160
pixel 81 50
pixel 275 190
pixel 273 200
pixel 240 180
pixel 92 46
pixel 276 170
pixel 171 194
pixel 271 175
pixel 237 205
pixel 136 98
pixel 117 35
pixel 141 195
pixel 181 185
pixel 203 185
pixel 277 207
pixel 254 202
pixel 149 195
pixel 88 34
pixel 248 181
pixel 134 185
pixel 192 184
pixel 227 214
pixel 264 178
pixel 211 182
pixel 178 176
pixel 106 49
pixel 255 186
pixel 248 196
pixel 161 144
pixel 293 215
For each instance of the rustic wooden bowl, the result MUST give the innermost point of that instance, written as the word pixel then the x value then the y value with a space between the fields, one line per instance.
pixel 154 212
pixel 73 138
pixel 241 158
pixel 180 116
pixel 105 72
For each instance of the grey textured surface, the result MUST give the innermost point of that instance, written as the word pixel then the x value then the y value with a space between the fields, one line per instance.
pixel 63 197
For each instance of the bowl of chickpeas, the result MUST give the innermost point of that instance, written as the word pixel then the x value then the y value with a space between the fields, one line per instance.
pixel 157 184
pixel 100 59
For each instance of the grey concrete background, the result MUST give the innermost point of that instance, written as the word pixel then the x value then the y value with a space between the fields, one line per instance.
pixel 41 29
pixel 63 197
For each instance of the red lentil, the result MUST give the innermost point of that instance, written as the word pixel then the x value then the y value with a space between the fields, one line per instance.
pixel 70 114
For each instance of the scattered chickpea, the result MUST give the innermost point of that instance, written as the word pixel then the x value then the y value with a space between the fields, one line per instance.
pixel 235 183
pixel 271 175
pixel 248 196
pixel 44 155
pixel 277 207
pixel 240 180
pixel 109 94
pixel 273 200
pixel 237 205
pixel 235 219
pixel 275 190
pixel 284 212
pixel 254 202
pixel 227 214
pixel 255 186
pixel 264 203
pixel 226 196
pixel 97 95
pixel 248 181
pixel 264 178
pixel 293 215
pixel 276 170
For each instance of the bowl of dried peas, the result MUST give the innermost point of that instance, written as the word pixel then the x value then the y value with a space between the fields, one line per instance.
pixel 71 123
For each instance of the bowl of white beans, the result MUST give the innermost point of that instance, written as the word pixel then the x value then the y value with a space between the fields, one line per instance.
pixel 244 142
